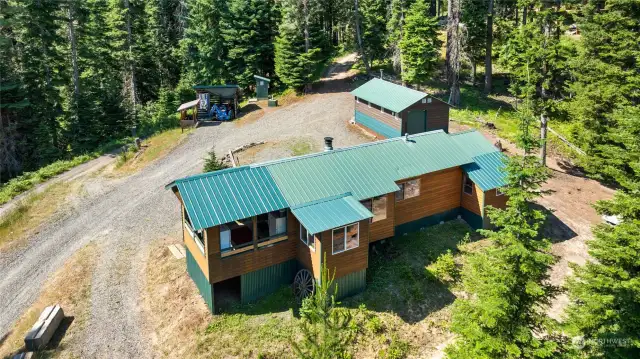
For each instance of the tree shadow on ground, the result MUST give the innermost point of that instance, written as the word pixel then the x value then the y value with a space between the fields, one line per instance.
pixel 397 279
pixel 554 228
pixel 247 109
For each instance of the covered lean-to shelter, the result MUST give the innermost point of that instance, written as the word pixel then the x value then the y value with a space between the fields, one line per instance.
pixel 251 229
pixel 218 95
pixel 391 110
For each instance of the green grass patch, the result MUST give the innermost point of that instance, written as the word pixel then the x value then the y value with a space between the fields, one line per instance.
pixel 300 148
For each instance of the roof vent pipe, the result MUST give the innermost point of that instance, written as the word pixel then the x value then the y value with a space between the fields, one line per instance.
pixel 406 137
pixel 328 144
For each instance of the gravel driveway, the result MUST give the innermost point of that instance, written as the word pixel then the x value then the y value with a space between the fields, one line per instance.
pixel 124 215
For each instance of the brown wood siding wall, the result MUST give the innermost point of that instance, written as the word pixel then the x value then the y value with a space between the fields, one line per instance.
pixel 350 261
pixel 491 199
pixel 308 258
pixel 245 262
pixel 374 112
pixel 437 114
pixel 439 192
pixel 192 247
pixel 472 202
pixel 384 228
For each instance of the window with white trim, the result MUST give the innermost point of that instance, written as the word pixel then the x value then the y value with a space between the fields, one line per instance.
pixel 198 236
pixel 499 193
pixel 467 186
pixel 377 206
pixel 307 238
pixel 408 189
pixel 345 238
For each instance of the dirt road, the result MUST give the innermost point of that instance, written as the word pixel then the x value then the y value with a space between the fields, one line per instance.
pixel 123 215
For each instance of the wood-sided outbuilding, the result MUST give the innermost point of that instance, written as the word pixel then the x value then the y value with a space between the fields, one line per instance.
pixel 249 229
pixel 389 110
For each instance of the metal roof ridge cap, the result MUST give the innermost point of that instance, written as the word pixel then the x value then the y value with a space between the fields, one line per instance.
pixel 322 200
pixel 211 174
pixel 464 132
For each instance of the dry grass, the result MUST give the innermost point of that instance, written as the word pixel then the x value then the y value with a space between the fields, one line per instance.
pixel 70 287
pixel 32 211
pixel 156 146
pixel 174 310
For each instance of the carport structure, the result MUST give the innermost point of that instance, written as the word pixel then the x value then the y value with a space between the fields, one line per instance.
pixel 210 95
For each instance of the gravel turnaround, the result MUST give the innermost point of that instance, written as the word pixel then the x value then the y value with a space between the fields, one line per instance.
pixel 123 215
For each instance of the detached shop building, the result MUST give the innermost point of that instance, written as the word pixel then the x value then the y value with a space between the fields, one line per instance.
pixel 389 110
pixel 248 230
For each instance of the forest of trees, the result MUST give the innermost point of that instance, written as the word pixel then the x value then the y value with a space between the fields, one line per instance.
pixel 76 74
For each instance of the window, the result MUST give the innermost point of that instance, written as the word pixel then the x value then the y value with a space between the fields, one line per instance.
pixel 198 236
pixel 408 189
pixel 345 238
pixel 377 206
pixel 468 185
pixel 272 224
pixel 236 235
pixel 498 192
pixel 307 238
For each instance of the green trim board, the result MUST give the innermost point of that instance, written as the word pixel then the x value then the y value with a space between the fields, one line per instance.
pixel 333 212
pixel 261 78
pixel 202 283
pixel 260 283
pixel 376 126
pixel 417 225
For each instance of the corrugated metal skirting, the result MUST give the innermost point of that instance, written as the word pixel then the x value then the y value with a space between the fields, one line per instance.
pixel 262 282
pixel 429 221
pixel 205 288
pixel 351 284
pixel 473 220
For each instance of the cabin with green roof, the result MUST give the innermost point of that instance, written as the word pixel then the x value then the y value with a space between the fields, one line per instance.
pixel 389 110
pixel 251 229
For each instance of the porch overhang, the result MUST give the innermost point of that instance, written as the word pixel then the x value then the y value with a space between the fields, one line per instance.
pixel 331 212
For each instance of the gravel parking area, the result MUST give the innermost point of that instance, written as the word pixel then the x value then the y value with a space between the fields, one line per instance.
pixel 124 215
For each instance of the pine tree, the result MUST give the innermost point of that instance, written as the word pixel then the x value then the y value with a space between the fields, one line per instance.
pixel 297 52
pixel 420 44
pixel 474 19
pixel 395 30
pixel 249 31
pixel 605 292
pixel 212 163
pixel 374 28
pixel 323 326
pixel 502 314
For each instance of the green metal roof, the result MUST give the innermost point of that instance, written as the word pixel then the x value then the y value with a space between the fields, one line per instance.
pixel 366 170
pixel 223 196
pixel 388 95
pixel 203 87
pixel 473 143
pixel 487 171
pixel 330 213
pixel 261 78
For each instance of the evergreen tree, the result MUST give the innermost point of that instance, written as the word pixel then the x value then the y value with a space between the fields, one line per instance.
pixel 395 30
pixel 212 163
pixel 202 46
pixel 605 292
pixel 374 28
pixel 420 44
pixel 249 31
pixel 474 14
pixel 323 326
pixel 606 76
pixel 297 52
pixel 502 314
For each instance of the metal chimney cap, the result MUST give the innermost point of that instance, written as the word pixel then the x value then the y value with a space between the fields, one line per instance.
pixel 406 137
pixel 328 143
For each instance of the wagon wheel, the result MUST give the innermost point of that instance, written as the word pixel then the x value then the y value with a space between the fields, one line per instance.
pixel 303 284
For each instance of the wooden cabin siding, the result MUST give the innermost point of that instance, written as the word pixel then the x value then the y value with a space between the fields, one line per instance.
pixel 439 192
pixel 472 202
pixel 192 247
pixel 221 268
pixel 492 199
pixel 374 112
pixel 384 228
pixel 350 261
pixel 437 114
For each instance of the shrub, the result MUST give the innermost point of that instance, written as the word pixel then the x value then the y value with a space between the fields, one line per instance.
pixel 398 349
pixel 374 325
pixel 211 163
pixel 444 268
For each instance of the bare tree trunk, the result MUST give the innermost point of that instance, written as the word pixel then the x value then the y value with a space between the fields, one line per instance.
pixel 74 54
pixel 132 72
pixel 524 16
pixel 447 59
pixel 544 117
pixel 544 120
pixel 474 70
pixel 359 38
pixel 307 40
pixel 454 50
pixel 488 66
